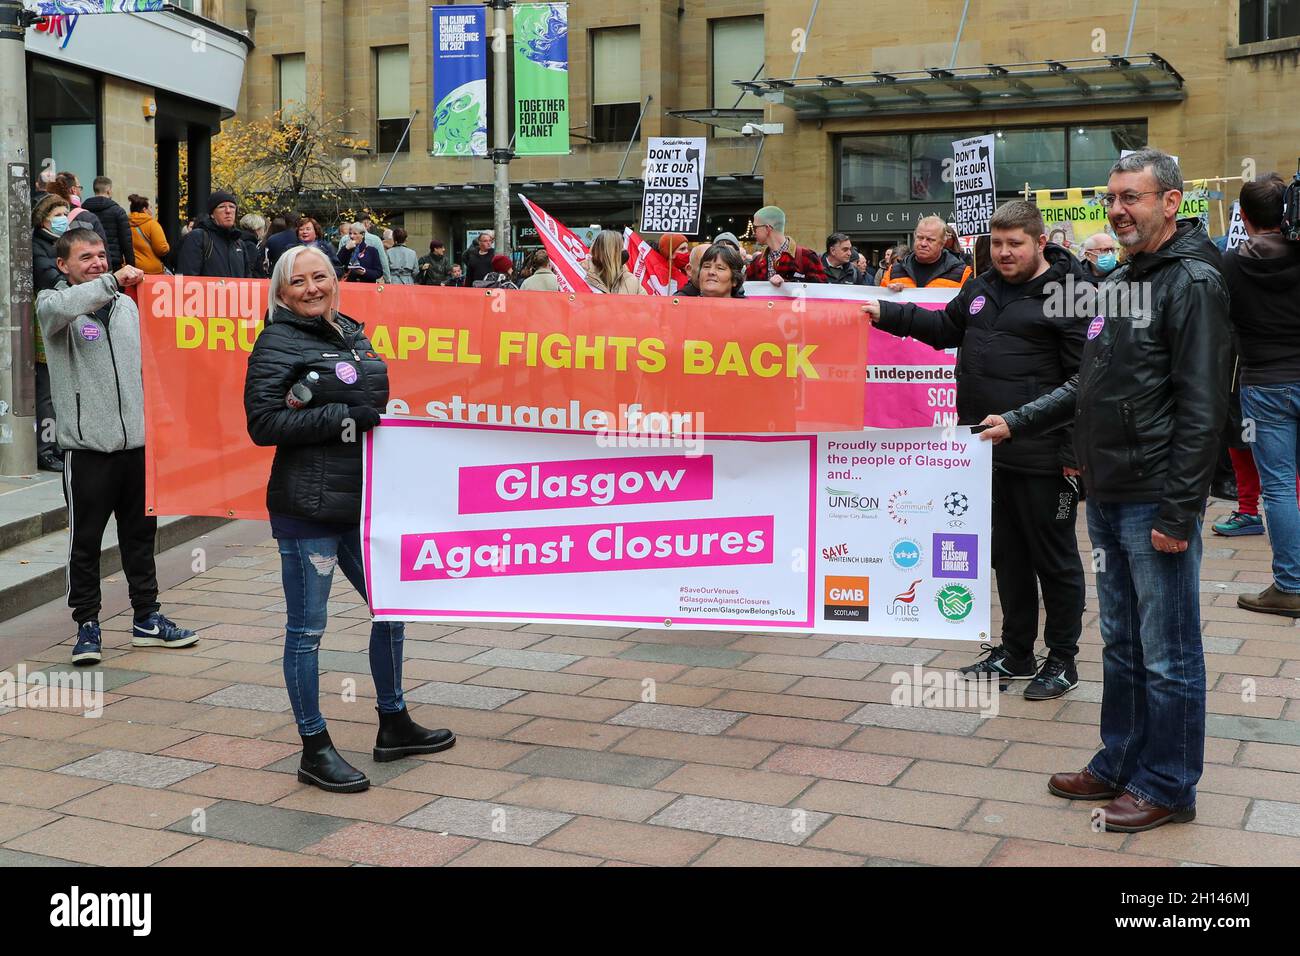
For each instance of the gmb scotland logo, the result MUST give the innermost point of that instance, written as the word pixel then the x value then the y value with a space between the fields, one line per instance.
pixel 955 601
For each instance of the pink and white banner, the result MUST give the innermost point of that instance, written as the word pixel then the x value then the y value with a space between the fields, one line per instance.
pixel 909 384
pixel 881 533
pixel 565 249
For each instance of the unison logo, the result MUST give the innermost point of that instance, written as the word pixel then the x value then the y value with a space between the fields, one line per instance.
pixel 76 909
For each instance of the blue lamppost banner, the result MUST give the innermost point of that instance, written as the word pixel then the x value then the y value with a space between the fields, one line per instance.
pixel 460 112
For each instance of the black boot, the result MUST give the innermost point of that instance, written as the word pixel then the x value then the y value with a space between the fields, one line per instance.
pixel 323 766
pixel 399 736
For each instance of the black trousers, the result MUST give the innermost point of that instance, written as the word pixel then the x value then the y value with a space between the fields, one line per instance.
pixel 1034 545
pixel 45 422
pixel 96 485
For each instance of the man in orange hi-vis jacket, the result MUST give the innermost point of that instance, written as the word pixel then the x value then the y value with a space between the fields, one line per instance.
pixel 929 264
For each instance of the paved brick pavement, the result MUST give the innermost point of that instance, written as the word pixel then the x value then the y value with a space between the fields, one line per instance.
pixel 584 746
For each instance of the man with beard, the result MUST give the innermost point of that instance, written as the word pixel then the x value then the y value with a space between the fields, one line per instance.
pixel 1014 343
pixel 1148 406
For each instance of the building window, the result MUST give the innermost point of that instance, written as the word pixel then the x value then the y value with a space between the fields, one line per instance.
pixel 393 98
pixel 64 119
pixel 291 83
pixel 911 167
pixel 1269 19
pixel 1094 150
pixel 615 84
pixel 873 169
pixel 737 54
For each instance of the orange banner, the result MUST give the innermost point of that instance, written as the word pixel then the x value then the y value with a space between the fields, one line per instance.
pixel 533 359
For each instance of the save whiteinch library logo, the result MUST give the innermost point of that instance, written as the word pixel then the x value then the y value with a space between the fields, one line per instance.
pixel 78 909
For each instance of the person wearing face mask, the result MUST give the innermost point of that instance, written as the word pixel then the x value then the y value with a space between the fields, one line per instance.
pixel 677 253
pixel 49 222
pixel 1099 252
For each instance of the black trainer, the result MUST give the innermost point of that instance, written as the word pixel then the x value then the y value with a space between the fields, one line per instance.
pixel 1057 676
pixel 1000 664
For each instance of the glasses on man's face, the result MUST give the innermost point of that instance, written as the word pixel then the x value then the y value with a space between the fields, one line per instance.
pixel 1129 198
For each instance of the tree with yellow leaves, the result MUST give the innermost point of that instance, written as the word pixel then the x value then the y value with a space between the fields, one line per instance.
pixel 303 160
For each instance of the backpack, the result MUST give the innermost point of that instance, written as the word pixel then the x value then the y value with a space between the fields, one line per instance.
pixel 1291 210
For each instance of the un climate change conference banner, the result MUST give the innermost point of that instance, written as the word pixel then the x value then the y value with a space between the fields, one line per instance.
pixel 880 534
pixel 482 356
pixel 460 110
pixel 541 79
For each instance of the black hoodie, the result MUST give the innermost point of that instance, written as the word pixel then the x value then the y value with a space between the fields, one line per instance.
pixel 1017 342
pixel 1263 277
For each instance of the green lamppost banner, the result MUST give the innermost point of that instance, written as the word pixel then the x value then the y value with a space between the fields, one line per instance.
pixel 541 79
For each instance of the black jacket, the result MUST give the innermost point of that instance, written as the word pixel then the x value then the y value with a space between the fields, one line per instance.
pixel 1263 278
pixel 846 274
pixel 1151 393
pixel 45 267
pixel 212 250
pixel 1015 345
pixel 317 469
pixel 117 230
pixel 476 264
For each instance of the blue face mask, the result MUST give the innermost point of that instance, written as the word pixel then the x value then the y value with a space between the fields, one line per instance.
pixel 59 225
pixel 1107 262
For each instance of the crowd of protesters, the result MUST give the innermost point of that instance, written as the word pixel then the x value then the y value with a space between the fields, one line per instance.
pixel 1144 422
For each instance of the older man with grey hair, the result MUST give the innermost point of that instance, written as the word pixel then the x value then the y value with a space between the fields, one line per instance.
pixel 1148 407
pixel 1099 252
pixel 929 264
pixel 779 259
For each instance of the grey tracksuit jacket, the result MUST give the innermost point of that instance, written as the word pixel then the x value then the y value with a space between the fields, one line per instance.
pixel 95 376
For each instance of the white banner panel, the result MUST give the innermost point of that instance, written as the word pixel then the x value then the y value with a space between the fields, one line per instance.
pixel 843 533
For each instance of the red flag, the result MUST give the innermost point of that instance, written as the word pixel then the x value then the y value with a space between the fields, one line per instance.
pixel 645 262
pixel 565 249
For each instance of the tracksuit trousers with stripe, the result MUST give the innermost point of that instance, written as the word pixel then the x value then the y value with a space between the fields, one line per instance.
pixel 96 485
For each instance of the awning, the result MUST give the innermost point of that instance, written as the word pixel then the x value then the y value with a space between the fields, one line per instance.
pixel 594 193
pixel 723 119
pixel 1046 83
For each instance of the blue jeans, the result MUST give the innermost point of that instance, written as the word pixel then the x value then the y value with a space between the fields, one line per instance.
pixel 1153 666
pixel 1275 410
pixel 307 570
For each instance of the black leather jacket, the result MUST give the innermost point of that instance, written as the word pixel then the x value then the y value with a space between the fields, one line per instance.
pixel 1151 393
pixel 317 469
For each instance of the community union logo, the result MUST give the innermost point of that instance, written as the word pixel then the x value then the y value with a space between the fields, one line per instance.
pixel 902 507
pixel 346 373
pixel 955 602
pixel 90 332
pixel 1095 326
pixel 976 304
pixel 905 554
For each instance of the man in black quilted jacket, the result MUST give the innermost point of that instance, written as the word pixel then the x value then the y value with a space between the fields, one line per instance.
pixel 117 224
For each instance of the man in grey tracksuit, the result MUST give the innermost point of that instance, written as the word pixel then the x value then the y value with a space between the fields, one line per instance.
pixel 92 346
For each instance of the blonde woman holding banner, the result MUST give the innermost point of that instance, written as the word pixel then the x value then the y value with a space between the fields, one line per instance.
pixel 606 269
pixel 314 385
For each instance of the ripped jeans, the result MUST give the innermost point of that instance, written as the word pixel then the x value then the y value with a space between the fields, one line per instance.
pixel 307 570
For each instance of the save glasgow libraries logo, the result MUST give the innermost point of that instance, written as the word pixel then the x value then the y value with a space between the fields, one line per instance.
pixel 955 602
pixel 956 556
pixel 847 598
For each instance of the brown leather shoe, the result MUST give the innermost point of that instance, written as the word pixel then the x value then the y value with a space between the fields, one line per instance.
pixel 1271 601
pixel 1130 814
pixel 1080 786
